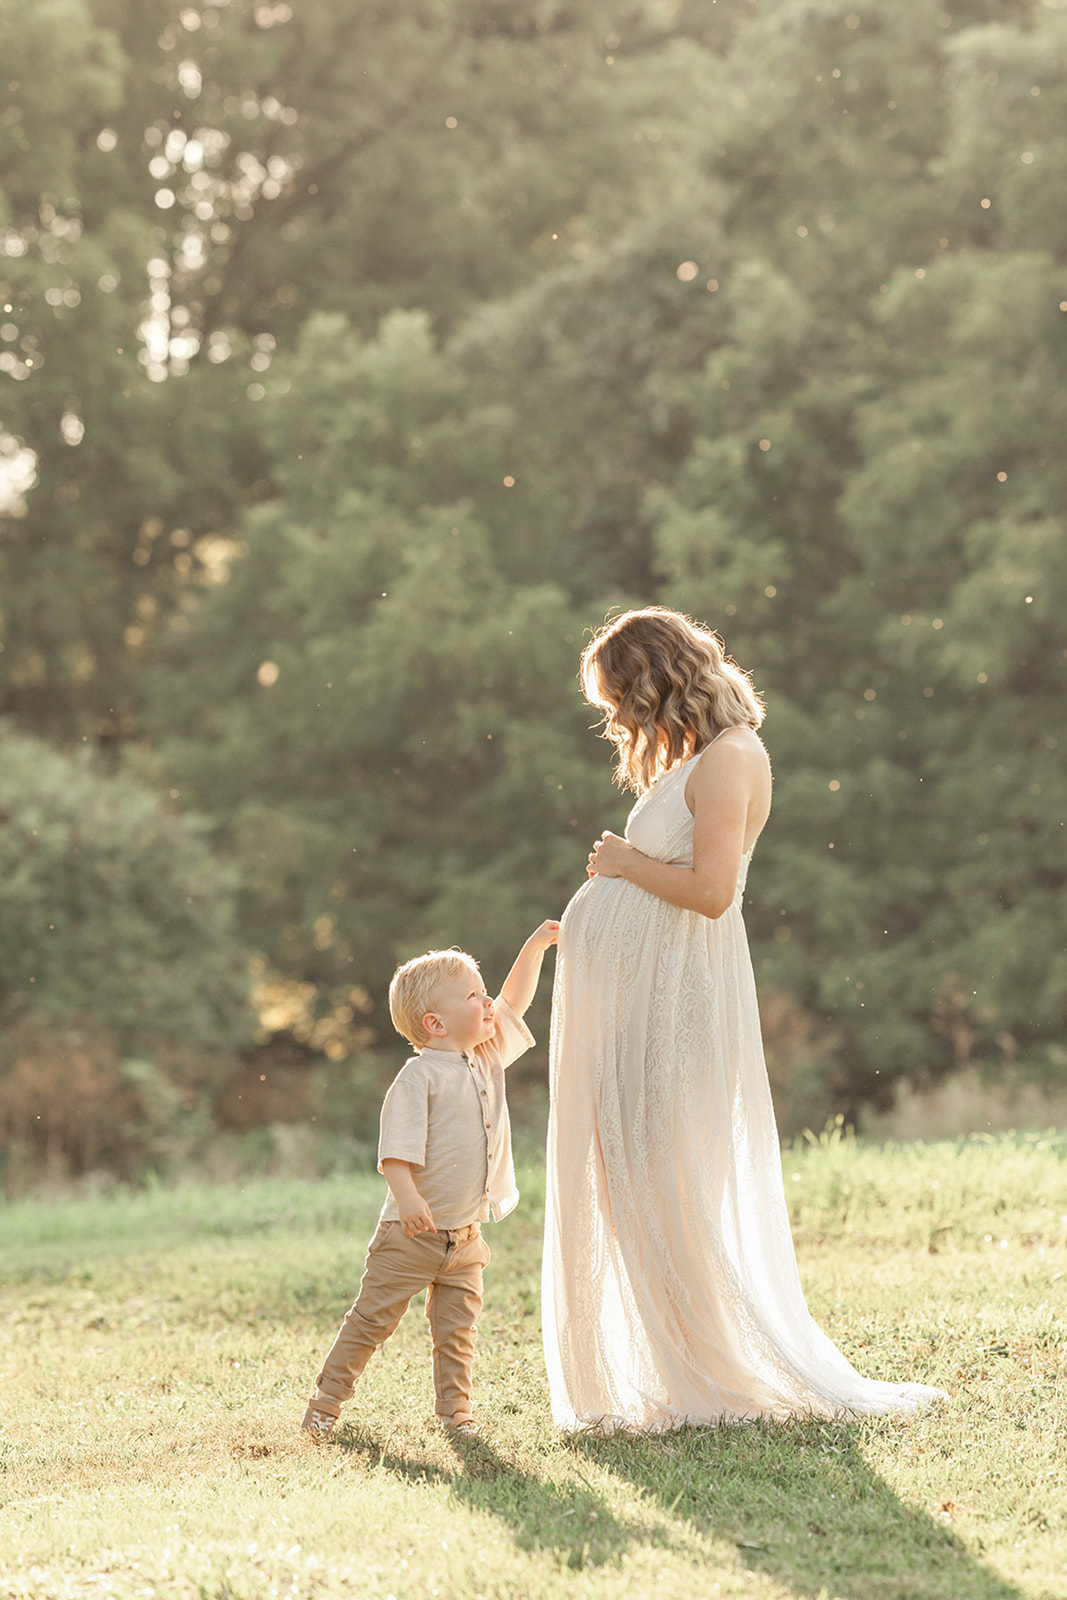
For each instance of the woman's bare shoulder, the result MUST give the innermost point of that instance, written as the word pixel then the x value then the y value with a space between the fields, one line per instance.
pixel 740 743
pixel 737 760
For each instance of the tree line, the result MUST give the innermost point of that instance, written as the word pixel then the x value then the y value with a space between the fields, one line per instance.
pixel 356 359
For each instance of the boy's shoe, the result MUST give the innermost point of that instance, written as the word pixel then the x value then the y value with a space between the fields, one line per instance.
pixel 318 1425
pixel 466 1430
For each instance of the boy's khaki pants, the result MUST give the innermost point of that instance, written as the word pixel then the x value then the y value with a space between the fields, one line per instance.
pixel 448 1265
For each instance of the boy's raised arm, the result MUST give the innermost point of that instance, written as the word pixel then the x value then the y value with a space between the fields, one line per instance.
pixel 520 985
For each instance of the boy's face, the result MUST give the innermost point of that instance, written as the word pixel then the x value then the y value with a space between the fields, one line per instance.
pixel 464 1009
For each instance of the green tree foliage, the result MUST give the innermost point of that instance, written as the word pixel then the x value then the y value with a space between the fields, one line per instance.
pixel 876 491
pixel 123 995
pixel 365 355
pixel 370 698
pixel 114 901
pixel 180 188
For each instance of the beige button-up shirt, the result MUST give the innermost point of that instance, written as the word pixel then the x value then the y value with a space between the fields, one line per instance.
pixel 447 1113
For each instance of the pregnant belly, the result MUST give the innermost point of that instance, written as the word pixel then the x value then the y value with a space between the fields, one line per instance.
pixel 601 908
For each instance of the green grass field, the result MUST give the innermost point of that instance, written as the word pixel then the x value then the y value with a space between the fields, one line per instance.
pixel 156 1350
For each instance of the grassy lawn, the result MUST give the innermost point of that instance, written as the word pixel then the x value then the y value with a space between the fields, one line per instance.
pixel 156 1350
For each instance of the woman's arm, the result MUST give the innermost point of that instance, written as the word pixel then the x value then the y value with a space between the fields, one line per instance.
pixel 728 793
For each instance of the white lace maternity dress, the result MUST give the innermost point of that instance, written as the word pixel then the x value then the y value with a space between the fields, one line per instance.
pixel 670 1285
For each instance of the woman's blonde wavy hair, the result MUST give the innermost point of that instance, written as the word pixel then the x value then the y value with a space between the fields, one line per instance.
pixel 666 688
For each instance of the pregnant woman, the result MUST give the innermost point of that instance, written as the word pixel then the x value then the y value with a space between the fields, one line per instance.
pixel 670 1287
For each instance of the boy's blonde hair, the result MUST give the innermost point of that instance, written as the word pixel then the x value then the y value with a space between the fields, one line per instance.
pixel 414 989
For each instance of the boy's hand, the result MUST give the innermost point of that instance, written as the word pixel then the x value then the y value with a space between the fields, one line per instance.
pixel 544 936
pixel 414 1213
pixel 415 1216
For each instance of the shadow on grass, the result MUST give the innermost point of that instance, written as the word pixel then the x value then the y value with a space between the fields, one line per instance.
pixel 797 1501
pixel 571 1521
pixel 800 1503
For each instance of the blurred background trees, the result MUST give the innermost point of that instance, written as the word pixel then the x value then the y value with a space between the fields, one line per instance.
pixel 355 359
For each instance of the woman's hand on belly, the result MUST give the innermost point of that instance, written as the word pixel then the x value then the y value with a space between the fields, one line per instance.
pixel 607 858
pixel 681 886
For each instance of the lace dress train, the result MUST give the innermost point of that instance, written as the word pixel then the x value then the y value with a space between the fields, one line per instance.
pixel 670 1285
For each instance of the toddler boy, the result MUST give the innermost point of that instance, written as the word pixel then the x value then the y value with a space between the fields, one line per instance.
pixel 445 1153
